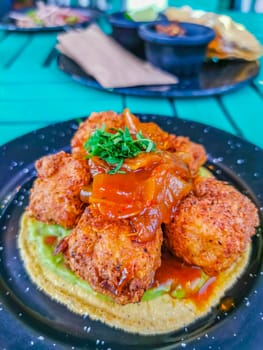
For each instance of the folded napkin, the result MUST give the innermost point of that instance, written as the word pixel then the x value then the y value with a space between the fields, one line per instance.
pixel 108 62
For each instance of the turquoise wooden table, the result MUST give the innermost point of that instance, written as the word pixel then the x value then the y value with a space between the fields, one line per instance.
pixel 35 93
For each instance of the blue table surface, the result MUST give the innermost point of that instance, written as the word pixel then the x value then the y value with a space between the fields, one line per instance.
pixel 35 93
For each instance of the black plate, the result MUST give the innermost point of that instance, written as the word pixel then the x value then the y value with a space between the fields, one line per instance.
pixel 8 24
pixel 215 78
pixel 29 318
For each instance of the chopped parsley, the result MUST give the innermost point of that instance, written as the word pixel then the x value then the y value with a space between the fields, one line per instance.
pixel 114 147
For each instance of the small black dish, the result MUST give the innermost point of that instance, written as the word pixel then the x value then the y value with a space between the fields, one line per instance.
pixel 182 54
pixel 125 32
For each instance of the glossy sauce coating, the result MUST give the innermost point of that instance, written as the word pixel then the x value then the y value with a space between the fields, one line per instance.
pixel 183 277
pixel 148 195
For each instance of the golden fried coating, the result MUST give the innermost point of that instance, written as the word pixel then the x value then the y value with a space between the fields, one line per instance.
pixel 55 196
pixel 192 153
pixel 95 121
pixel 212 226
pixel 103 253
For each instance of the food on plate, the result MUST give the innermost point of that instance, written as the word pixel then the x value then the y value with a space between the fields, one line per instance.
pixel 212 226
pixel 61 177
pixel 232 39
pixel 103 253
pixel 171 29
pixel 47 16
pixel 131 229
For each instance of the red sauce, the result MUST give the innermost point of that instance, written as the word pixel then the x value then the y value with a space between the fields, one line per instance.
pixel 120 195
pixel 204 293
pixel 173 268
pixel 50 240
pixel 177 273
pixel 147 195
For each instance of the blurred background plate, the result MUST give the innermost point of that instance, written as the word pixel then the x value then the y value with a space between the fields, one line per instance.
pixel 215 78
pixel 92 15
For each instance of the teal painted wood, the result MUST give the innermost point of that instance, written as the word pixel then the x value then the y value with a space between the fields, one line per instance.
pixel 204 110
pixel 10 47
pixel 26 58
pixel 2 35
pixel 259 79
pixel 53 110
pixel 11 131
pixel 149 105
pixel 56 92
pixel 246 108
pixel 35 53
pixel 208 5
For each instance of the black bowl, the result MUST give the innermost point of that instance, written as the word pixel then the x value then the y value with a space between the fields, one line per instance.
pixel 183 54
pixel 125 32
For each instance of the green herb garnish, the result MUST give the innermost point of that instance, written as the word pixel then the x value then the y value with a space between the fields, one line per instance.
pixel 114 147
pixel 147 14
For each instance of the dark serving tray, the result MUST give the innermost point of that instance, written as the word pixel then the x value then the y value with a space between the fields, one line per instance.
pixel 215 78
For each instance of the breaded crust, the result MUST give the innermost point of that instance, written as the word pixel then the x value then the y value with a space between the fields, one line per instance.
pixel 55 197
pixel 212 226
pixel 103 253
pixel 95 121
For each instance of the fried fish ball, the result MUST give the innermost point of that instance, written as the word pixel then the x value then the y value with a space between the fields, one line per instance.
pixel 55 195
pixel 96 120
pixel 212 226
pixel 104 253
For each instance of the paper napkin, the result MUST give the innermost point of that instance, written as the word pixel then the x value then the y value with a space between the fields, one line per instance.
pixel 108 62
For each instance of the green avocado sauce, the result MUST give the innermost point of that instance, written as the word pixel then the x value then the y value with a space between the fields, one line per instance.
pixel 38 231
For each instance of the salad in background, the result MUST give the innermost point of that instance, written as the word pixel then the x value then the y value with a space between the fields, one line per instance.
pixel 47 16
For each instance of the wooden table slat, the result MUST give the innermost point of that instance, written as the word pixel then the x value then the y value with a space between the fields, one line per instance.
pixel 246 108
pixel 205 110
pixel 54 110
pixel 10 47
pixel 149 105
pixel 35 54
pixel 55 91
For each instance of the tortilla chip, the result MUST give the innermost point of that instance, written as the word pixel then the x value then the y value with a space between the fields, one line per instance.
pixel 232 39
